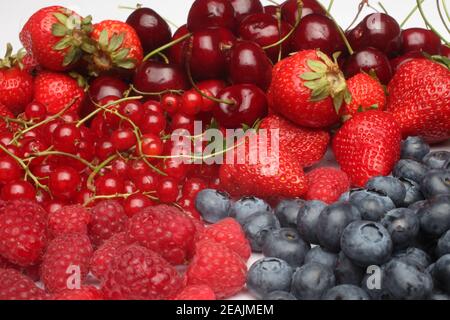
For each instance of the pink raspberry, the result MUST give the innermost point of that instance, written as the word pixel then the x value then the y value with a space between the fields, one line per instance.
pixel 108 218
pixel 68 219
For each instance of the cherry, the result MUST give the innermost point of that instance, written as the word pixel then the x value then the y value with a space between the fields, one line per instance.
pixel 249 64
pixel 418 39
pixel 182 121
pixel 249 104
pixel 119 167
pixel 123 139
pixel 192 186
pixel 369 60
pixel 171 103
pixel 133 110
pixel 377 30
pixel 135 203
pixel 272 10
pixel 138 168
pixel 66 136
pixel 147 182
pixel 191 102
pixel 289 10
pixel 153 122
pixel 10 170
pixel 176 51
pixel 64 183
pixel 210 14
pixel 155 77
pixel 167 190
pixel 266 30
pixel 104 148
pixel 243 8
pixel 210 88
pixel 35 111
pixel 153 106
pixel 445 51
pixel 151 145
pixel 151 28
pixel 400 60
pixel 317 31
pixel 18 190
pixel 109 184
pixel 107 86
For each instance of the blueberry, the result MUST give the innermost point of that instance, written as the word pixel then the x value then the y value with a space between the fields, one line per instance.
pixel 416 206
pixel 247 206
pixel 403 225
pixel 311 281
pixel 443 245
pixel 279 295
pixel 287 245
pixel 375 292
pixel 307 219
pixel 413 193
pixel 389 186
pixel 436 183
pixel 441 273
pixel 435 217
pixel 372 205
pixel 414 148
pixel 406 281
pixel 436 159
pixel 345 197
pixel 346 292
pixel 415 256
pixel 346 272
pixel 319 255
pixel 213 205
pixel 287 212
pixel 268 275
pixel 332 222
pixel 438 296
pixel 410 169
pixel 446 165
pixel 366 243
pixel 257 226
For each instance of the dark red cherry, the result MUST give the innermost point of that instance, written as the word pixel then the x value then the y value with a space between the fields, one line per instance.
pixel 210 14
pixel 445 51
pixel 243 8
pixel 249 104
pixel 369 60
pixel 106 86
pixel 176 51
pixel 377 30
pixel 317 31
pixel 418 39
pixel 151 28
pixel 210 88
pixel 249 64
pixel 154 77
pixel 265 30
pixel 18 190
pixel 289 10
pixel 272 10
pixel 400 60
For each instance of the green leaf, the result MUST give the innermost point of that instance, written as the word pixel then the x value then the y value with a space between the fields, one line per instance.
pixel 59 30
pixel 347 96
pixel 87 47
pixel 121 54
pixel 337 101
pixel 61 18
pixel 336 56
pixel 308 76
pixel 115 42
pixel 103 39
pixel 72 56
pixel 126 64
pixel 87 20
pixel 324 58
pixel 317 66
pixel 64 43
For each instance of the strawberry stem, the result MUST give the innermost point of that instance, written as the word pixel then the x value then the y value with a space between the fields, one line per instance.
pixel 428 24
pixel 410 14
pixel 167 46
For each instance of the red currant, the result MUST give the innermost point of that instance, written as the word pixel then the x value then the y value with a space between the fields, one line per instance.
pixel 153 122
pixel 119 167
pixel 104 149
pixel 175 168
pixel 66 136
pixel 137 168
pixel 182 121
pixel 191 102
pixel 151 145
pixel 167 190
pixel 64 183
pixel 53 205
pixel 35 111
pixel 170 103
pixel 18 190
pixel 153 106
pixel 147 182
pixel 193 186
pixel 10 170
pixel 135 203
pixel 123 139
pixel 133 110
pixel 109 184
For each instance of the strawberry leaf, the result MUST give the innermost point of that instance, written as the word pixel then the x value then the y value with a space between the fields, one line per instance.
pixel 64 43
pixel 317 66
pixel 103 39
pixel 121 54
pixel 61 18
pixel 127 64
pixel 308 76
pixel 59 30
pixel 115 42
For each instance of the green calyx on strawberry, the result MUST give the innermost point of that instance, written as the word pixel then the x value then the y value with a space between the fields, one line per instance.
pixel 11 60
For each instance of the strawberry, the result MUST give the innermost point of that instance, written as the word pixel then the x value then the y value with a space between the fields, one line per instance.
pixel 4 124
pixel 57 91
pixel 199 292
pixel 419 98
pixel 327 184
pixel 307 145
pixel 308 89
pixel 368 145
pixel 367 93
pixel 56 37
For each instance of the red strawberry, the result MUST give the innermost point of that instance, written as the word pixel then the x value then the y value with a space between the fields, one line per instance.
pixel 367 93
pixel 218 267
pixel 16 286
pixel 56 91
pixel 103 255
pixel 308 89
pixel 327 184
pixel 67 258
pixel 136 273
pixel 164 229
pixel 108 218
pixel 68 219
pixel 419 98
pixel 195 293
pixel 56 37
pixel 307 145
pixel 228 232
pixel 84 293
pixel 368 145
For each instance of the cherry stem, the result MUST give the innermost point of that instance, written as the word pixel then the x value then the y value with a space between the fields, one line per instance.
pixel 441 15
pixel 446 10
pixel 138 6
pixel 59 153
pixel 90 180
pixel 410 14
pixel 279 20
pixel 167 46
pixel 427 23
pixel 133 88
pixel 273 2
pixel 164 57
pixel 383 8
pixel 330 6
pixel 360 9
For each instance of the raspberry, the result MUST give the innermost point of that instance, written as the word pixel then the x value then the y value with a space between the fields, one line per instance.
pixel 63 253
pixel 327 184
pixel 164 229
pixel 218 267
pixel 229 233
pixel 26 208
pixel 108 218
pixel 16 286
pixel 199 292
pixel 136 273
pixel 68 219
pixel 104 254
pixel 84 293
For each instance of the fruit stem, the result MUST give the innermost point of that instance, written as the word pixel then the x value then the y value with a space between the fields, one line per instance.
pixel 164 57
pixel 410 14
pixel 383 8
pixel 132 87
pixel 59 153
pixel 273 2
pixel 18 121
pixel 167 46
pixel 118 195
pixel 138 6
pixel 90 180
pixel 441 15
pixel 330 6
pixel 446 10
pixel 427 23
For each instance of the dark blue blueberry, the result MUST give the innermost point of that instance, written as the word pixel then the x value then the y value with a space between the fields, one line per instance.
pixel 366 243
pixel 332 222
pixel 307 219
pixel 415 256
pixel 346 272
pixel 414 148
pixel 287 245
pixel 372 205
pixel 287 212
pixel 413 193
pixel 389 186
pixel 436 159
pixel 435 217
pixel 346 292
pixel 446 165
pixel 443 245
pixel 436 183
pixel 439 296
pixel 406 281
pixel 441 273
pixel 416 206
pixel 213 205
pixel 372 285
pixel 245 207
pixel 279 295
pixel 319 255
pixel 410 169
pixel 257 226
pixel 268 275
pixel 345 197
pixel 403 225
pixel 311 281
